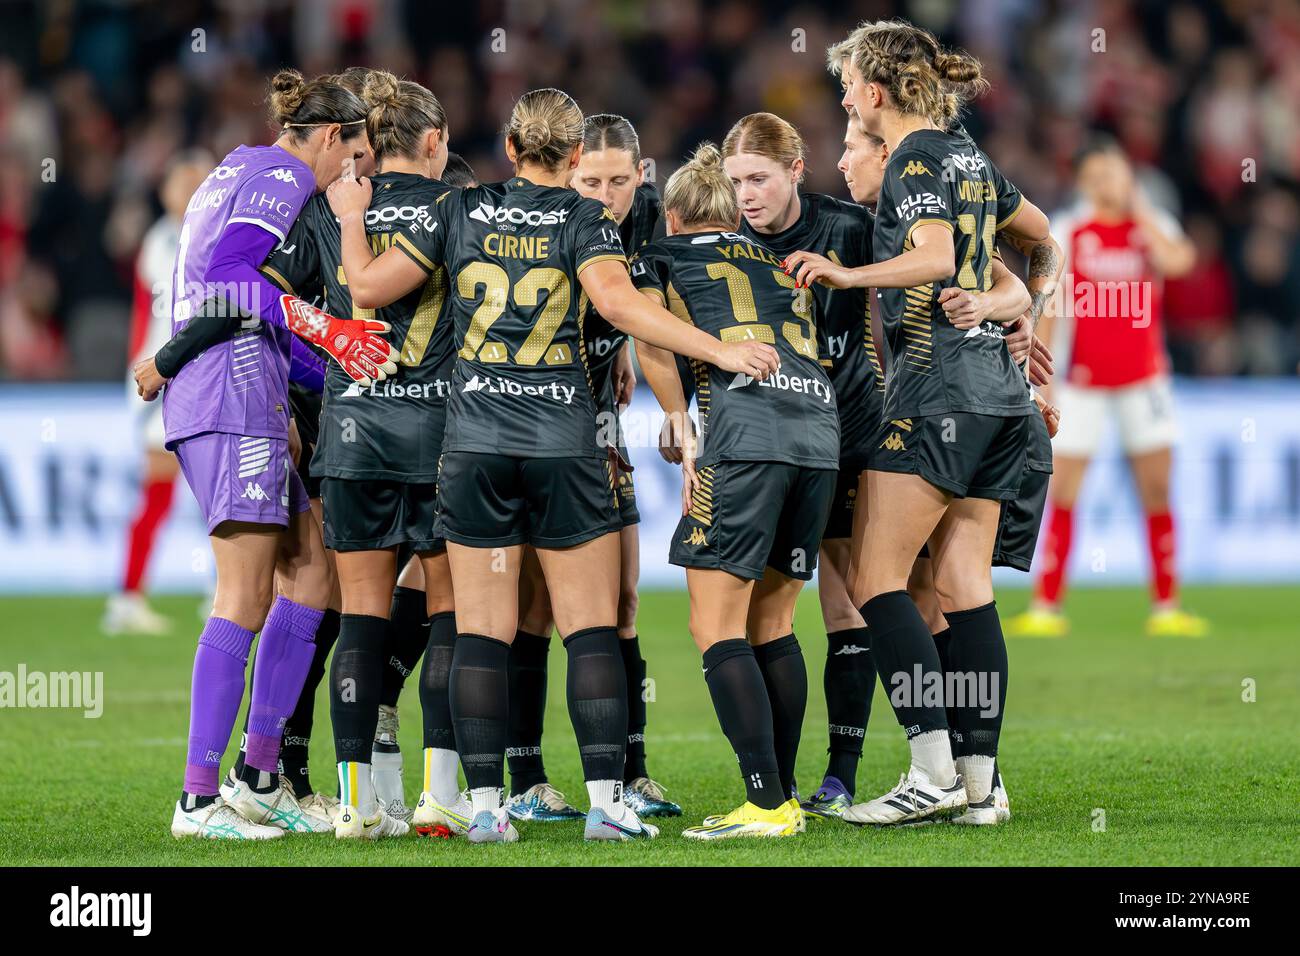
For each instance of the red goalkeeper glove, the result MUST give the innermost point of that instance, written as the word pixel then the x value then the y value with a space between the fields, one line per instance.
pixel 353 343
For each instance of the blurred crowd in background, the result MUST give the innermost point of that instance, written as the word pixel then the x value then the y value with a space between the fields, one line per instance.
pixel 97 95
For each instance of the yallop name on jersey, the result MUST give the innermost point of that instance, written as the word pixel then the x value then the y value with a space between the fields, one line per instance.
pixel 391 389
pixel 786 383
pixel 918 203
pixel 503 386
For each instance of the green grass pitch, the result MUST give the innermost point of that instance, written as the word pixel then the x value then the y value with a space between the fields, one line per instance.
pixel 1117 749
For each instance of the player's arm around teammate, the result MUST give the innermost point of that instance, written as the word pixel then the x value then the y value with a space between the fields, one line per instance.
pixel 546 486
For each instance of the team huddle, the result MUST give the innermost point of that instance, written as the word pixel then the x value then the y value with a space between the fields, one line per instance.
pixel 394 392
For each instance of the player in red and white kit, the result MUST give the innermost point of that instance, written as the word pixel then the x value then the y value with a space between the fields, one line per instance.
pixel 151 325
pixel 1118 249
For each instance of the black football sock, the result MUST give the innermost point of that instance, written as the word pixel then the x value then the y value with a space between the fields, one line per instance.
pixel 943 644
pixel 196 801
pixel 260 781
pixel 479 693
pixel 356 676
pixel 903 650
pixel 634 668
pixel 297 729
pixel 596 687
pixel 786 676
pixel 407 638
pixel 435 677
pixel 849 682
pixel 528 656
pixel 978 653
pixel 740 700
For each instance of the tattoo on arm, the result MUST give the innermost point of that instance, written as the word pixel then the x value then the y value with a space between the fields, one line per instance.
pixel 1042 262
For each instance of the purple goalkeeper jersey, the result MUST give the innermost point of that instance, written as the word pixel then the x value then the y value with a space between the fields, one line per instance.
pixel 239 386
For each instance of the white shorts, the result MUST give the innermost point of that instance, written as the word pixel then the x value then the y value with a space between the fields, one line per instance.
pixel 1143 412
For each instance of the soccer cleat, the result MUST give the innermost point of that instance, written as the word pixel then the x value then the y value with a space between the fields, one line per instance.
pixel 489 827
pixel 914 799
pixel 434 819
pixel 1173 622
pixel 1038 622
pixel 601 826
pixel 218 821
pixel 279 808
pixel 542 803
pixel 646 799
pixel 830 800
pixel 982 814
pixel 318 805
pixel 748 820
pixel 351 825
pixel 131 614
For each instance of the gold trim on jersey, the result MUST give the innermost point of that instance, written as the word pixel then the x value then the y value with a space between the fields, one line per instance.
pixel 869 343
pixel 1015 212
pixel 600 258
pixel 929 220
pixel 409 248
pixel 655 293
pixel 278 279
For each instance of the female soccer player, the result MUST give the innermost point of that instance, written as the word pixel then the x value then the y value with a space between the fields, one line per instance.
pixel 522 458
pixel 953 445
pixel 764 158
pixel 378 447
pixel 611 171
pixel 757 490
pixel 863 165
pixel 226 417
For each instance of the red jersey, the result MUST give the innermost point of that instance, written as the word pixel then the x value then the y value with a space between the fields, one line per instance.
pixel 1114 294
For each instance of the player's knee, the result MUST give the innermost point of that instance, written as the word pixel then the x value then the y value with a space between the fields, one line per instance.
pixel 957 593
pixel 246 604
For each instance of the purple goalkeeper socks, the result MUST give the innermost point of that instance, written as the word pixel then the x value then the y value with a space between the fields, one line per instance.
pixel 215 691
pixel 284 654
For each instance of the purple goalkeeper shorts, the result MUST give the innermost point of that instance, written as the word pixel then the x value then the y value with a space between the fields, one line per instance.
pixel 242 479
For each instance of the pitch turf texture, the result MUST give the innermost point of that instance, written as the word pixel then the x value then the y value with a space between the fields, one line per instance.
pixel 1117 749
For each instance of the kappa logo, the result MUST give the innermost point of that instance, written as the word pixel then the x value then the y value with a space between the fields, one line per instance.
pixel 284 175
pixel 253 492
pixel 225 172
pixel 849 650
pixel 989 330
pixel 696 538
pixel 494 215
pixel 894 442
pixel 915 168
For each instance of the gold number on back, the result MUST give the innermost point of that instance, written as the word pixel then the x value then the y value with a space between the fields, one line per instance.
pixel 496 291
pixel 426 317
pixel 538 344
pixel 803 338
pixel 966 274
pixel 496 286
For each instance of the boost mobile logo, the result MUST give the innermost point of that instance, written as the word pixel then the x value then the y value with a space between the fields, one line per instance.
pixel 499 214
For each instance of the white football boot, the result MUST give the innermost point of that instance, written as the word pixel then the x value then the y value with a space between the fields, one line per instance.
pixel 349 824
pixel 492 827
pixel 914 799
pixel 218 821
pixel 131 614
pixel 433 818
pixel 279 808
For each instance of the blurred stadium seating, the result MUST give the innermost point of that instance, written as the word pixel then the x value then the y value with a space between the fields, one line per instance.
pixel 98 94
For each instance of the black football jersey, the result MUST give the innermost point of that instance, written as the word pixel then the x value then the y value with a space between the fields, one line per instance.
pixel 841 231
pixel 934 368
pixel 391 430
pixel 642 224
pixel 735 289
pixel 513 252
